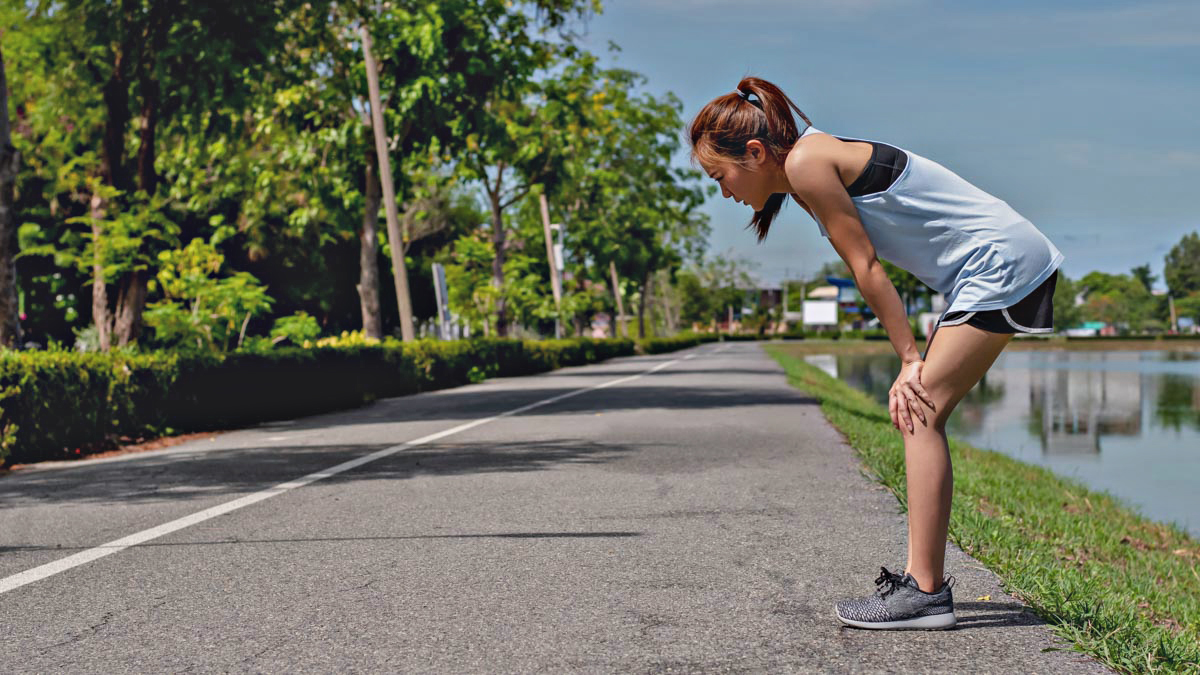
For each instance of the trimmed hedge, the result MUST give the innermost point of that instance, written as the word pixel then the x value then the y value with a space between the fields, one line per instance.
pixel 661 345
pixel 56 405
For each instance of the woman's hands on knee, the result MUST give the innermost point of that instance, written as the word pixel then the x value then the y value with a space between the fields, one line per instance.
pixel 906 396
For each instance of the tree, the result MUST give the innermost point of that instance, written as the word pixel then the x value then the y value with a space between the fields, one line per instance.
pixel 1182 268
pixel 144 68
pixel 1066 313
pixel 626 207
pixel 1117 299
pixel 472 295
pixel 713 287
pixel 1189 306
pixel 1142 274
pixel 521 135
pixel 907 284
pixel 395 239
pixel 10 327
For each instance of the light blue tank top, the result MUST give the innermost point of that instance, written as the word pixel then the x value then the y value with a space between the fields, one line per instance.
pixel 959 240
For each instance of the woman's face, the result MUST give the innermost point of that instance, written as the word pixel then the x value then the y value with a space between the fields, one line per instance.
pixel 744 184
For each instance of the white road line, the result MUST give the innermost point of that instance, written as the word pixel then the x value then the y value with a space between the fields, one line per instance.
pixel 50 569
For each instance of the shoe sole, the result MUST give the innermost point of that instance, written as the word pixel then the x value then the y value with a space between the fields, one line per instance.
pixel 932 622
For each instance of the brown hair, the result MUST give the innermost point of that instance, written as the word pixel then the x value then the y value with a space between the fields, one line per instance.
pixel 722 128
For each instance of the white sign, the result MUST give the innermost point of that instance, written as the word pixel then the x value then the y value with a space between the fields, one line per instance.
pixel 820 313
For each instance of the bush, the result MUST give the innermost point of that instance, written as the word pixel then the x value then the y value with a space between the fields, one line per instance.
pixel 661 345
pixel 56 405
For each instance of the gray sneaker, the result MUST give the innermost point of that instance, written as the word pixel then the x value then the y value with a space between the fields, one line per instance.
pixel 899 604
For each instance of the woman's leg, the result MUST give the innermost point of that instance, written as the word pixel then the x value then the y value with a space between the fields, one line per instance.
pixel 964 353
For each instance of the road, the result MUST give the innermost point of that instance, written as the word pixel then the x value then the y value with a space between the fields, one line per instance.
pixel 687 512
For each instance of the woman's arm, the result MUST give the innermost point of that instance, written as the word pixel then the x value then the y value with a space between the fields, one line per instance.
pixel 814 177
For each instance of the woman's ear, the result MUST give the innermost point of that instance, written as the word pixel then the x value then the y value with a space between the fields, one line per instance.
pixel 756 152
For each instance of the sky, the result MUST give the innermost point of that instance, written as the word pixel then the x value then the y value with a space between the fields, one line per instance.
pixel 1083 116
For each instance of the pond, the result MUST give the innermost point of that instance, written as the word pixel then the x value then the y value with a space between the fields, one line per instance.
pixel 1127 422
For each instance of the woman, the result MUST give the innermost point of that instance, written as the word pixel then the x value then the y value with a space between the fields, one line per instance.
pixel 872 199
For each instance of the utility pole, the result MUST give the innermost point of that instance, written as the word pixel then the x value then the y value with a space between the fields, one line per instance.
pixel 555 283
pixel 395 239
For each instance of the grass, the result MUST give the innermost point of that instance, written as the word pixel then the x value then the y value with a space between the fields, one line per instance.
pixel 820 346
pixel 1121 587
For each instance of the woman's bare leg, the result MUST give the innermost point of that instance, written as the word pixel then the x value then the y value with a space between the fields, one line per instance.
pixel 964 353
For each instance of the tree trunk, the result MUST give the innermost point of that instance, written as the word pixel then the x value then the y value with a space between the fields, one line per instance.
pixel 642 305
pixel 395 238
pixel 99 292
pixel 664 283
pixel 147 176
pixel 368 260
pixel 498 236
pixel 618 324
pixel 131 301
pixel 10 325
pixel 116 121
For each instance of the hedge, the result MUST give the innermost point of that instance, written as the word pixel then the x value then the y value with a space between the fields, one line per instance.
pixel 57 405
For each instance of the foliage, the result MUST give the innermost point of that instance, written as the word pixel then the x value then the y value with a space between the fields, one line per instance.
pixel 472 295
pixel 61 404
pixel 351 339
pixel 1182 266
pixel 1117 299
pixel 713 286
pixel 1121 587
pixel 1189 306
pixel 296 328
pixel 200 310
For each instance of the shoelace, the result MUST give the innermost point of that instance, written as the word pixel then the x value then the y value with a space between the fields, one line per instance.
pixel 889 579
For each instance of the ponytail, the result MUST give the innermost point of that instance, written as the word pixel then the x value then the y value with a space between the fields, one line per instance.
pixel 722 128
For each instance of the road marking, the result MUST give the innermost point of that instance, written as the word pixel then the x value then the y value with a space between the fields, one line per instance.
pixel 50 569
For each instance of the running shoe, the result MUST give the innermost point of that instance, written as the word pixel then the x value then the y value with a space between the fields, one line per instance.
pixel 900 604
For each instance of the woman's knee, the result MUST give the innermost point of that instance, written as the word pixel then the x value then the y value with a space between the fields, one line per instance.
pixel 930 419
pixel 955 363
pixel 945 398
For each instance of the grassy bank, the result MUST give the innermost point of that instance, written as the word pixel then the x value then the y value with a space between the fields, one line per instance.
pixel 818 346
pixel 1121 587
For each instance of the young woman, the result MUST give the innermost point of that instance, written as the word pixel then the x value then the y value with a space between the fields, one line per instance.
pixel 873 200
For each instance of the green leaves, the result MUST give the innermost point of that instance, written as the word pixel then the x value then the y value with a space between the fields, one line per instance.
pixel 201 310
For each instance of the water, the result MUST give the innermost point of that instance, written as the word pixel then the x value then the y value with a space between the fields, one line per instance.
pixel 1126 422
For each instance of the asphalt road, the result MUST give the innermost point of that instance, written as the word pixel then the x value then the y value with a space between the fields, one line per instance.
pixel 703 517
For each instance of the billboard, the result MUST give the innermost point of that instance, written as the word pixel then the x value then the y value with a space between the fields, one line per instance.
pixel 820 312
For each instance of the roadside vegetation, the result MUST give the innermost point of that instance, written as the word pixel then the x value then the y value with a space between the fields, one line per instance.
pixel 1121 587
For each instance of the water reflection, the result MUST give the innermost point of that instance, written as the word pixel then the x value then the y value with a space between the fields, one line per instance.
pixel 1126 422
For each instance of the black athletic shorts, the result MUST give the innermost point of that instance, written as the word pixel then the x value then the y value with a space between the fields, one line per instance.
pixel 1032 314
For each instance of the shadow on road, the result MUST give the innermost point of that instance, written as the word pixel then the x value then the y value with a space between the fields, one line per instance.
pixel 233 472
pixel 996 615
pixel 319 540
pixel 473 403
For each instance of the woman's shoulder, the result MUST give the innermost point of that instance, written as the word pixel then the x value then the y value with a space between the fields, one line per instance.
pixel 820 149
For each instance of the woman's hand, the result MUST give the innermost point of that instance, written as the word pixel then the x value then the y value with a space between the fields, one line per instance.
pixel 906 395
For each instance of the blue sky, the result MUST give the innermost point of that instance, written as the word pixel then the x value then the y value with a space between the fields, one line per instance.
pixel 1083 116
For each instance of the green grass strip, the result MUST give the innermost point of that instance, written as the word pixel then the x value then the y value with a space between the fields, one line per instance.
pixel 1119 586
